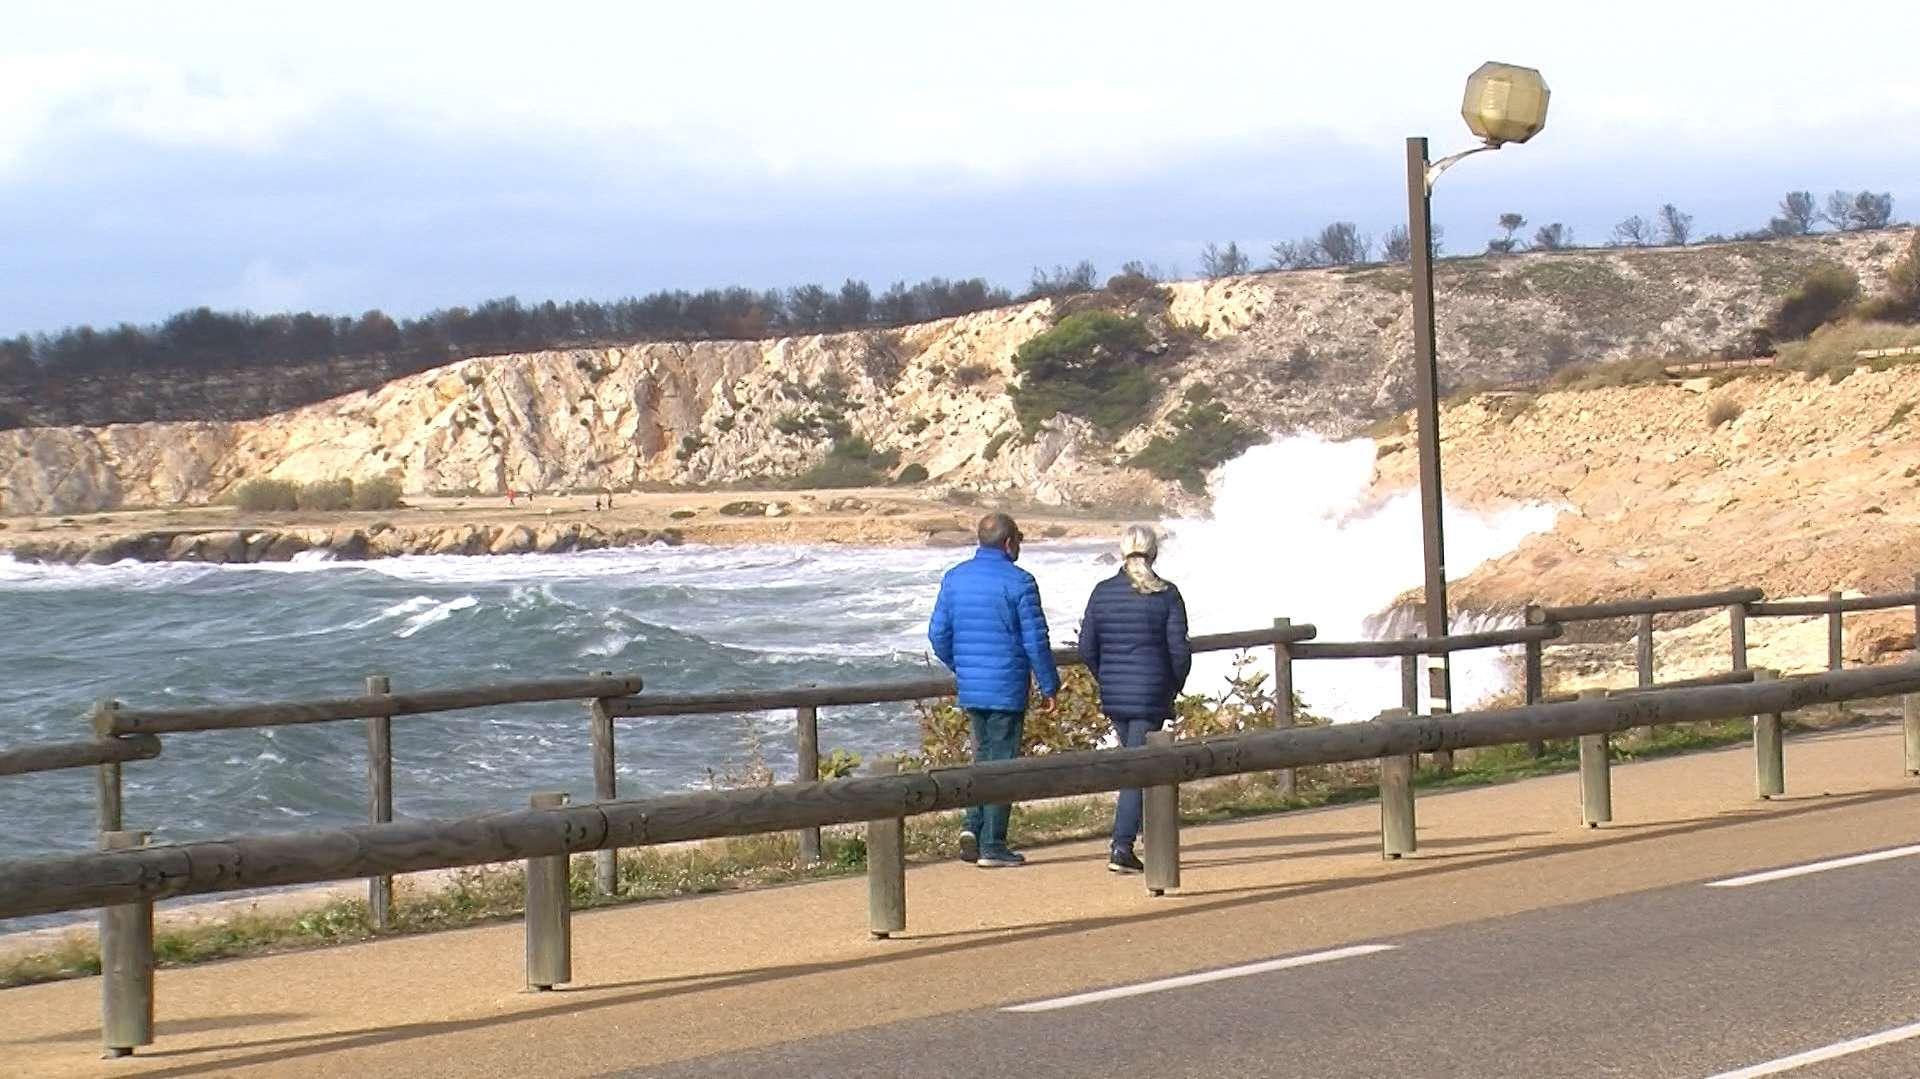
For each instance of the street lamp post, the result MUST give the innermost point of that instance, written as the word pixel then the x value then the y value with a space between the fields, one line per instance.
pixel 1503 104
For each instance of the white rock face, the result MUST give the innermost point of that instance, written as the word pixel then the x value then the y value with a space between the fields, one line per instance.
pixel 1323 349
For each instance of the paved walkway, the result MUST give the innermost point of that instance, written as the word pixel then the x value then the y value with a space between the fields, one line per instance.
pixel 673 981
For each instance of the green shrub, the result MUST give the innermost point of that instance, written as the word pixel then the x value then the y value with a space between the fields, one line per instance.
pixel 1093 365
pixel 261 496
pixel 327 496
pixel 916 425
pixel 992 449
pixel 1838 344
pixel 1826 295
pixel 1600 376
pixel 972 374
pixel 1204 438
pixel 1901 301
pixel 1131 285
pixel 379 493
pixel 913 473
pixel 839 764
pixel 852 462
pixel 1245 703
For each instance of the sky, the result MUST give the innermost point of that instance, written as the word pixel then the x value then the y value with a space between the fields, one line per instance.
pixel 348 156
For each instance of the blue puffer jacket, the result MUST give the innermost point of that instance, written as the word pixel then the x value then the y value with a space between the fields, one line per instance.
pixel 989 629
pixel 1136 646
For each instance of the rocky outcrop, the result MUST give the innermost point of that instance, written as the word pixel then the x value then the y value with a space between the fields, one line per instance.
pixel 1324 349
pixel 1793 484
pixel 378 541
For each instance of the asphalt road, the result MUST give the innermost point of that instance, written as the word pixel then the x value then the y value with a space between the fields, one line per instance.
pixel 1680 981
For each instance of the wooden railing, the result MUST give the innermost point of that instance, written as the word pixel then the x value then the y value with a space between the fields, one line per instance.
pixel 131 875
pixel 126 878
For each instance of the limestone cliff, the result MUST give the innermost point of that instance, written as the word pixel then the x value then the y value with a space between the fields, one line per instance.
pixel 1325 349
pixel 1789 483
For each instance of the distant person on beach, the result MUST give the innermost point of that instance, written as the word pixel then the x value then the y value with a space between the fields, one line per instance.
pixel 989 629
pixel 1134 640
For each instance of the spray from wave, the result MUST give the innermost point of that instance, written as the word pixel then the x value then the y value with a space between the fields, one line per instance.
pixel 1295 532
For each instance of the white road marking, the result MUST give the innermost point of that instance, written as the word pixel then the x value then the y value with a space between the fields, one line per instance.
pixel 1203 978
pixel 1814 867
pixel 1815 1056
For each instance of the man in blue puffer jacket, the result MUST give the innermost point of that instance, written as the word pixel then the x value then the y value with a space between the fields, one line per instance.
pixel 1134 640
pixel 988 628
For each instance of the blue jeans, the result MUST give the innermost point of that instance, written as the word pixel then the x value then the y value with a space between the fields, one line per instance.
pixel 996 737
pixel 1126 815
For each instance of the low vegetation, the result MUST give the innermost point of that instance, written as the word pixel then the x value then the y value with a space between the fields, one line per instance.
pixel 1837 347
pixel 1723 411
pixel 321 496
pixel 1093 364
pixel 852 462
pixel 1204 438
pixel 1826 295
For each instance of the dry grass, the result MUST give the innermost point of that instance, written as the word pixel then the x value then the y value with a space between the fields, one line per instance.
pixel 1723 411
pixel 1833 347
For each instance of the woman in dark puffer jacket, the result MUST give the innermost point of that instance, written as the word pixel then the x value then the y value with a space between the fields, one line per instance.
pixel 1134 639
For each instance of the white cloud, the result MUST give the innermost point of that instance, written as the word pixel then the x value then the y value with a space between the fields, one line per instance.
pixel 999 90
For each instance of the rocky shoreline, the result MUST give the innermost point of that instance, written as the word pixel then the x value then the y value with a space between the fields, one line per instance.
pixel 381 540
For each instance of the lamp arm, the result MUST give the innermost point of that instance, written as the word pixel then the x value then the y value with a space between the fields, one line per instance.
pixel 1436 168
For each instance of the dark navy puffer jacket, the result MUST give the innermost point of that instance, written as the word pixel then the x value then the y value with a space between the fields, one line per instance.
pixel 1136 646
pixel 989 629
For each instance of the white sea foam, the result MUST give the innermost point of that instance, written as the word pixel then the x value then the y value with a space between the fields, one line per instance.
pixel 434 615
pixel 1295 533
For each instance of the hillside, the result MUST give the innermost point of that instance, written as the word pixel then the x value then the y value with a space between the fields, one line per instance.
pixel 1323 349
pixel 1810 485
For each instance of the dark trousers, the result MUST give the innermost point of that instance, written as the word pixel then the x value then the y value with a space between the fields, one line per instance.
pixel 1126 815
pixel 996 737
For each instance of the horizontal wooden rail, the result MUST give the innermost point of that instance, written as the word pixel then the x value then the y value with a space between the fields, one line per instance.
pixel 1725 678
pixel 1782 608
pixel 1253 638
pixel 99 879
pixel 286 713
pixel 689 704
pixel 767 700
pixel 1592 612
pixel 53 756
pixel 1424 646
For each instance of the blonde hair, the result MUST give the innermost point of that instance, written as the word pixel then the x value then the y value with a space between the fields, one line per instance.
pixel 1139 547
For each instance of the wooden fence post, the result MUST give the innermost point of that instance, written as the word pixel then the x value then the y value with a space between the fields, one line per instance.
pixel 126 965
pixel 1397 833
pixel 107 788
pixel 1836 658
pixel 549 916
pixel 1410 684
pixel 1737 635
pixel 606 787
pixel 1643 658
pixel 1285 782
pixel 1162 810
pixel 886 866
pixel 1596 779
pixel 1910 716
pixel 1916 619
pixel 1768 756
pixel 806 731
pixel 380 798
pixel 1536 673
pixel 1643 650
